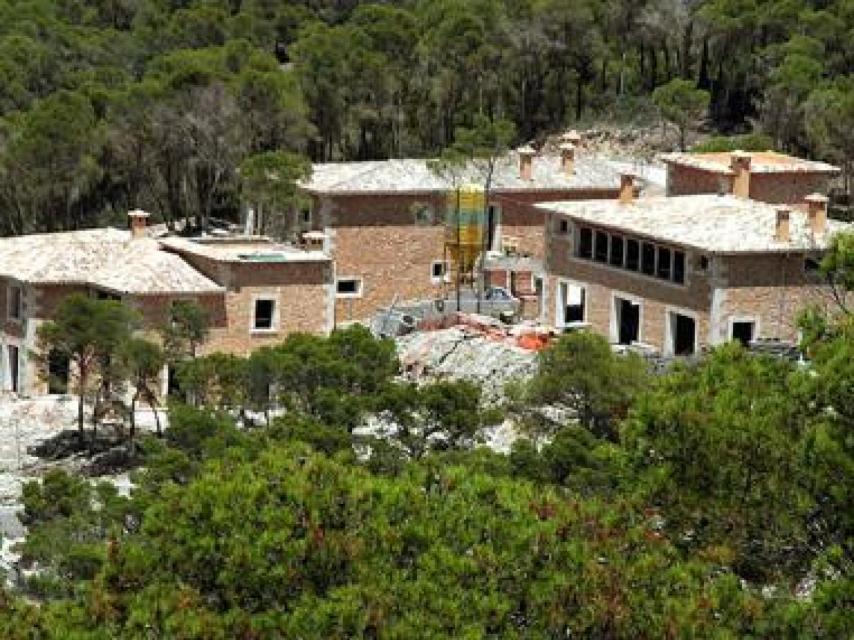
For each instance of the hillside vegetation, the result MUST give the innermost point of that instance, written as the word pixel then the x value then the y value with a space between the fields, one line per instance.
pixel 112 104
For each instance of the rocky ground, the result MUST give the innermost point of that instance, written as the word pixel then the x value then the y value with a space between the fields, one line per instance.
pixel 28 427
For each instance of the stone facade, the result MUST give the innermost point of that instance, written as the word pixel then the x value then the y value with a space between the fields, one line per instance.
pixel 767 291
pixel 302 293
pixel 391 241
pixel 775 188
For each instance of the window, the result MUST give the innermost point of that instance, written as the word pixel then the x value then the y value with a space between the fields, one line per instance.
pixel 678 267
pixel 438 270
pixel 743 331
pixel 683 334
pixel 585 243
pixel 264 320
pixel 348 287
pixel 811 265
pixel 15 310
pixel 703 263
pixel 616 251
pixel 663 263
pixel 305 215
pixel 423 214
pixel 601 247
pixel 648 259
pixel 632 255
pixel 563 227
pixel 573 299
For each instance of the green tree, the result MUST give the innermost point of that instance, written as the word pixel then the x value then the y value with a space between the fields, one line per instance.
pixel 269 182
pixel 186 328
pixel 682 105
pixel 85 330
pixel 580 373
pixel 143 361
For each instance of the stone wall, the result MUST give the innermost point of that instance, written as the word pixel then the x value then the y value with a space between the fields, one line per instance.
pixel 378 238
pixel 603 283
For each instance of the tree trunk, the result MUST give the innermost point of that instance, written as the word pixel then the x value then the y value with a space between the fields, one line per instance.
pixel 133 416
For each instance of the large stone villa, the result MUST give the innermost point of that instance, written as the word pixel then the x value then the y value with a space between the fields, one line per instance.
pixel 729 253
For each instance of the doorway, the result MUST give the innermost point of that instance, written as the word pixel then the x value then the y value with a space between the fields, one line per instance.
pixel 628 320
pixel 58 369
pixel 683 334
pixel 744 332
pixel 493 220
pixel 14 369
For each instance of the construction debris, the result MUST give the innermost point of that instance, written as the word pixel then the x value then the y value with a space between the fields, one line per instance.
pixel 476 349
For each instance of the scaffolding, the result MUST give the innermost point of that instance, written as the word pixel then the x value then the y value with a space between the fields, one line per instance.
pixel 464 232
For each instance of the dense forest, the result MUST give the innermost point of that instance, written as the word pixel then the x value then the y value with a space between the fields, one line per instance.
pixel 711 500
pixel 173 105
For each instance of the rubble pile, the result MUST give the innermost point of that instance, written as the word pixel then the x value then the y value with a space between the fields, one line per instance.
pixel 465 353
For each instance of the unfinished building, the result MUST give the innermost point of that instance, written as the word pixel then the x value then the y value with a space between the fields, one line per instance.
pixel 384 222
pixel 679 274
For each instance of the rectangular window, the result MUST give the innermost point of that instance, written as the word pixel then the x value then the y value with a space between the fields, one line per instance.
pixel 264 314
pixel 15 306
pixel 616 251
pixel 648 259
pixel 632 255
pixel 349 287
pixel 305 215
pixel 585 243
pixel 563 227
pixel 601 247
pixel 438 269
pixel 678 267
pixel 663 263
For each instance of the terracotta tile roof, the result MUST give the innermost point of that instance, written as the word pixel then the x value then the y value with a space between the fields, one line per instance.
pixel 760 162
pixel 717 224
pixel 105 258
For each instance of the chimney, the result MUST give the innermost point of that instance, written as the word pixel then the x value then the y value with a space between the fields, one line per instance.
pixel 740 165
pixel 526 162
pixel 781 231
pixel 138 221
pixel 567 158
pixel 817 213
pixel 571 137
pixel 627 188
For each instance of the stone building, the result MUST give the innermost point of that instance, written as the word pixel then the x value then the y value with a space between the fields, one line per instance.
pixel 255 291
pixel 383 222
pixel 766 176
pixel 683 273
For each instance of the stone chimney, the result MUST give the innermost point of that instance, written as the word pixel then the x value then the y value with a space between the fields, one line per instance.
pixel 571 137
pixel 567 158
pixel 740 165
pixel 781 230
pixel 627 188
pixel 817 213
pixel 138 222
pixel 526 162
